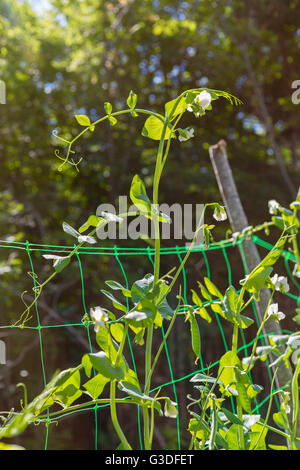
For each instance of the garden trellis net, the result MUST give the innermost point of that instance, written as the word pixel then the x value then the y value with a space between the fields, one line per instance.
pixel 120 254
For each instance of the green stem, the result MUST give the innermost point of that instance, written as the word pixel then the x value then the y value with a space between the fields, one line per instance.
pixel 258 332
pixel 295 396
pixel 161 348
pixel 156 277
pixel 238 402
pixel 114 418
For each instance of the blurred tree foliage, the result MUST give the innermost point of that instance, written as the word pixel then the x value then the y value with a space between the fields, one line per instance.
pixel 73 56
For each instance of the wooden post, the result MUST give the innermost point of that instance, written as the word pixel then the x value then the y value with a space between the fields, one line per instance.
pixel 238 221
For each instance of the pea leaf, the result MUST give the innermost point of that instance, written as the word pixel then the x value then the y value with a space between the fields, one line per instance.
pixel 59 262
pixel 102 364
pixel 83 120
pixel 131 100
pixel 96 385
pixel 212 289
pixel 175 107
pixel 195 334
pixel 153 128
pixel 139 196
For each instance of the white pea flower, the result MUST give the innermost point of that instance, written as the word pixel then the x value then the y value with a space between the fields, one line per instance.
pixel 274 313
pixel 297 274
pixel 286 408
pixel 280 283
pixel 273 206
pixel 99 316
pixel 219 213
pixel 5 269
pixel 185 134
pixel 170 410
pixel 285 403
pixel 201 102
pixel 236 236
pixel 203 99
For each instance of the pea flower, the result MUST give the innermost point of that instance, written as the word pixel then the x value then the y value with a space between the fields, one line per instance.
pixel 219 213
pixel 203 99
pixel 285 403
pixel 99 316
pixel 273 206
pixel 170 410
pixel 274 313
pixel 185 134
pixel 280 283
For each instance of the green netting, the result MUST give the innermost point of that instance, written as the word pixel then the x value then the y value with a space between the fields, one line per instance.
pixel 120 254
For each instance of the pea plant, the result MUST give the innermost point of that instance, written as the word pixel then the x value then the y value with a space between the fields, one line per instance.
pixel 214 426
pixel 143 308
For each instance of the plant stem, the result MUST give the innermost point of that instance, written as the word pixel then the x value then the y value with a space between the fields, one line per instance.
pixel 114 417
pixel 239 406
pixel 258 333
pixel 156 277
pixel 295 396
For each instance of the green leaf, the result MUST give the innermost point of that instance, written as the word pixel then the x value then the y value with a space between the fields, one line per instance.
pixel 242 392
pixel 114 301
pixel 138 195
pixel 87 365
pixel 204 292
pixel 231 417
pixel 142 287
pixel 275 447
pixel 201 310
pixel 59 262
pixel 117 330
pixel 228 363
pixel 132 100
pixel 4 446
pixel 83 120
pixel 153 128
pixel 195 334
pixel 164 309
pixel 114 285
pixel 212 289
pixel 281 421
pixel 232 437
pixel 131 378
pixel 102 364
pixel 195 426
pixel 203 378
pixel 253 390
pixel 68 389
pixel 278 221
pixel 93 221
pixel 257 279
pixel 175 107
pixel 143 315
pixel 258 437
pixel 70 230
pixel 137 396
pixel 113 121
pixel 107 107
pixel 244 322
pixel 96 385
